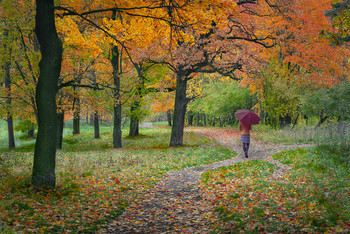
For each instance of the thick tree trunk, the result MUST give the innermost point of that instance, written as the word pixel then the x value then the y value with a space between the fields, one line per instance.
pixel 96 125
pixel 169 117
pixel 179 112
pixel 117 130
pixel 60 130
pixel 11 135
pixel 117 123
pixel 134 119
pixel 134 127
pixel 50 68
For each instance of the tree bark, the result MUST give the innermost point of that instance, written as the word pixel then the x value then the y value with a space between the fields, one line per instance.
pixel 190 118
pixel 46 89
pixel 96 125
pixel 117 123
pixel 11 135
pixel 31 133
pixel 76 123
pixel 92 119
pixel 76 115
pixel 169 117
pixel 134 119
pixel 60 130
pixel 179 112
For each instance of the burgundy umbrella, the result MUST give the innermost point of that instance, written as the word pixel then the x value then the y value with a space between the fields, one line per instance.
pixel 247 117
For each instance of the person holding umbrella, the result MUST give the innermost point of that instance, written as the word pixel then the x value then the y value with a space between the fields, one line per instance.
pixel 246 119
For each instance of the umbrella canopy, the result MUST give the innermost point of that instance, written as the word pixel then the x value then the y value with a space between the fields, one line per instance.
pixel 247 117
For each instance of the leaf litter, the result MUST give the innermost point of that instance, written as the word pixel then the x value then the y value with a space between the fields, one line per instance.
pixel 180 202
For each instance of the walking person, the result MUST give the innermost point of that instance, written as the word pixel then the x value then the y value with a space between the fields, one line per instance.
pixel 245 136
pixel 246 119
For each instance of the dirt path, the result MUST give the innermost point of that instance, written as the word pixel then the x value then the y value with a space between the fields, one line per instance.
pixel 175 204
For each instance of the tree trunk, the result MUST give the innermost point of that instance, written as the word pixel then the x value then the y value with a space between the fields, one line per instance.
pixel 169 117
pixel 60 130
pixel 92 119
pixel 31 133
pixel 96 125
pixel 295 121
pixel 46 89
pixel 76 123
pixel 134 127
pixel 11 135
pixel 76 116
pixel 134 119
pixel 322 120
pixel 117 123
pixel 190 118
pixel 179 112
pixel 198 120
pixel 117 130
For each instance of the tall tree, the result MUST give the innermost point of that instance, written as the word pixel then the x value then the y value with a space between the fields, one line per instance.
pixel 7 81
pixel 220 48
pixel 50 68
pixel 117 122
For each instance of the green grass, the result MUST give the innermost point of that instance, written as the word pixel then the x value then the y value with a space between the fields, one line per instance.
pixel 3 134
pixel 94 181
pixel 332 132
pixel 314 196
pixel 23 144
pixel 21 140
pixel 163 123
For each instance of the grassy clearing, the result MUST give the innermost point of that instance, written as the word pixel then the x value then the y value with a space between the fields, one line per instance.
pixel 313 197
pixel 329 133
pixel 94 182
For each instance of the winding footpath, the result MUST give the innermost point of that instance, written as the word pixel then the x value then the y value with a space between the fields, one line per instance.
pixel 175 204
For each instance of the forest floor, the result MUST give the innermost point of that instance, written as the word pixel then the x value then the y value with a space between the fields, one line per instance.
pixel 176 203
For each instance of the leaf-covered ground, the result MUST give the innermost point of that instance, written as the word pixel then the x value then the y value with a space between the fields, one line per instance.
pixel 97 183
pixel 312 196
